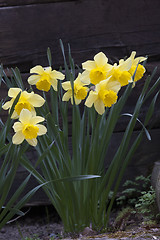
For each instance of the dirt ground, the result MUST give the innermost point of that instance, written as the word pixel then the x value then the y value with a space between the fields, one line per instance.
pixel 42 223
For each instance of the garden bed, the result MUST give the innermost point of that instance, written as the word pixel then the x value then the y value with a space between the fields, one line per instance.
pixel 43 223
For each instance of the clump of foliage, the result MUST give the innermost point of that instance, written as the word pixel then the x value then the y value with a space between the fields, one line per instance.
pixel 133 189
pixel 147 206
pixel 138 197
pixel 73 175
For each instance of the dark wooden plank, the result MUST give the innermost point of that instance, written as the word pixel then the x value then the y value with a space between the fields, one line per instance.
pixel 8 3
pixel 89 26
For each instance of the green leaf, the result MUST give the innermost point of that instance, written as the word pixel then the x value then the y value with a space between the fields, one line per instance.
pixel 146 131
pixel 49 56
pixel 18 78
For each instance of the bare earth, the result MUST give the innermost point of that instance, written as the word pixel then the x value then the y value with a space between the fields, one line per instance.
pixel 44 224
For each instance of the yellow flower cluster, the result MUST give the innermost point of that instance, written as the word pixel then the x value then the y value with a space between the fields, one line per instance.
pixel 105 81
pixel 27 127
pixel 98 85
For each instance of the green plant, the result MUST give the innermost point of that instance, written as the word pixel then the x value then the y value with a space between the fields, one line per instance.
pixel 132 190
pixel 139 197
pixel 81 203
pixel 147 206
pixel 11 156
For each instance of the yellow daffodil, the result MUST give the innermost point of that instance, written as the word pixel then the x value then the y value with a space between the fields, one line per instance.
pixel 80 90
pixel 104 95
pixel 28 128
pixel 96 71
pixel 44 78
pixel 120 72
pixel 26 100
pixel 140 70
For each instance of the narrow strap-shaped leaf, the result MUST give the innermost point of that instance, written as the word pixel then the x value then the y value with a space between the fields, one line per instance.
pixel 151 109
pixel 11 202
pixel 118 180
pixel 144 128
pixel 18 78
pixel 49 56
pixel 152 89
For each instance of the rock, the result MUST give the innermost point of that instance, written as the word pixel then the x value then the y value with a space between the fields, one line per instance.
pixel 157 189
pixel 88 232
pixel 155 173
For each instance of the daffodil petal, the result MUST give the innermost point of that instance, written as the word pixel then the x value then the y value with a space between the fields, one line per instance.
pixel 32 142
pixel 37 69
pixel 76 100
pixel 13 92
pixel 133 54
pixel 42 129
pixel 66 85
pixel 85 77
pixel 7 105
pixel 67 95
pixel 14 115
pixel 36 119
pixel 103 84
pixel 17 126
pixel 121 61
pixel 138 60
pixel 26 95
pixel 92 97
pixel 126 65
pixel 57 75
pixel 18 138
pixel 78 80
pixel 36 100
pixel 48 69
pixel 25 116
pixel 89 65
pixel 33 112
pixel 54 84
pixel 100 59
pixel 99 106
pixel 107 67
pixel 33 79
pixel 114 86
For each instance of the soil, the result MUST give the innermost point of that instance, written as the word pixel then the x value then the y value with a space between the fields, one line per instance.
pixel 43 223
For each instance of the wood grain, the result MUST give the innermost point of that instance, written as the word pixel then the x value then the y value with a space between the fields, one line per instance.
pixel 8 3
pixel 90 26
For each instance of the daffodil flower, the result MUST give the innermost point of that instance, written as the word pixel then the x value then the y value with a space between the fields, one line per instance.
pixel 28 128
pixel 44 78
pixel 140 70
pixel 96 71
pixel 80 90
pixel 26 100
pixel 104 95
pixel 121 72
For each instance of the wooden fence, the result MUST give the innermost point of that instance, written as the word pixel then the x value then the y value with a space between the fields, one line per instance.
pixel 29 27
